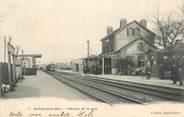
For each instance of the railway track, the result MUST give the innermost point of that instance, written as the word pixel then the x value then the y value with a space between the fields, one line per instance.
pixel 112 91
pixel 94 90
pixel 167 93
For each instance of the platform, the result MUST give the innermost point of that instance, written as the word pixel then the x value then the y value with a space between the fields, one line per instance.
pixel 43 85
pixel 136 79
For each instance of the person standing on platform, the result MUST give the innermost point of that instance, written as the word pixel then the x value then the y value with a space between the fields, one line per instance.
pixel 148 70
pixel 161 71
pixel 174 72
pixel 180 74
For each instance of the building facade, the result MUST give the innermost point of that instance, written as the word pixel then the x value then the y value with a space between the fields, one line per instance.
pixel 93 65
pixel 128 40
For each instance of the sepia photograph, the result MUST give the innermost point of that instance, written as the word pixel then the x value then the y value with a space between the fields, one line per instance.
pixel 91 58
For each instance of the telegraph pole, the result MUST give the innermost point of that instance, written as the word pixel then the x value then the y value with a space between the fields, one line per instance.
pixel 88 48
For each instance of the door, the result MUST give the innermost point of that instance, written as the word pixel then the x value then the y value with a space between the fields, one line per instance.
pixel 107 65
pixel 77 67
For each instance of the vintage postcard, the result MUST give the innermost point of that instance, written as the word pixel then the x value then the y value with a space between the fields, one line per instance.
pixel 91 58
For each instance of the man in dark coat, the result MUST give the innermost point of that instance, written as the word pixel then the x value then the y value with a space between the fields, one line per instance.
pixel 148 70
pixel 174 72
pixel 161 71
pixel 180 74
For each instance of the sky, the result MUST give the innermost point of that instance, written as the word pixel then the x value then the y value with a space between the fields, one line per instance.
pixel 59 29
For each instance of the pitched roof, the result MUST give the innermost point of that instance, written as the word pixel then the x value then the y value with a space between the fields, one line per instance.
pixel 91 57
pixel 120 29
pixel 127 45
pixel 178 48
pixel 106 54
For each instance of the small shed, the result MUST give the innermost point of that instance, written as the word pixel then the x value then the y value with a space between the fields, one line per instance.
pixel 77 65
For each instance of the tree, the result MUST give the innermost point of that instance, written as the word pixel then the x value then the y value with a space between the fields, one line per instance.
pixel 169 30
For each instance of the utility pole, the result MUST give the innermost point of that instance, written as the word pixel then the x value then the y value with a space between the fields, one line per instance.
pixel 88 48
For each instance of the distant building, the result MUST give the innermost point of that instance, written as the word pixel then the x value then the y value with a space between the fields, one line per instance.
pixel 77 65
pixel 63 66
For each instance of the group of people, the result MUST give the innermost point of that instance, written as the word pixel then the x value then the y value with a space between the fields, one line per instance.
pixel 177 73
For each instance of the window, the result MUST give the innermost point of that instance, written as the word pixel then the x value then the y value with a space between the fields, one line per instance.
pixel 137 32
pixel 130 32
pixel 140 46
pixel 104 48
pixel 111 46
pixel 133 32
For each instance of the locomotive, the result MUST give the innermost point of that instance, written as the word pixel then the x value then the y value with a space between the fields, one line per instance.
pixel 51 67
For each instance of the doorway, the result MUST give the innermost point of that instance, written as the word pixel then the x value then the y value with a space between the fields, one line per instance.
pixel 77 67
pixel 107 66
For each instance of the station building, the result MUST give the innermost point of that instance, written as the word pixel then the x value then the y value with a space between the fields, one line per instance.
pixel 126 41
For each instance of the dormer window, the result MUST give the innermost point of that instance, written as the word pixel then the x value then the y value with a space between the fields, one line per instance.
pixel 130 32
pixel 137 32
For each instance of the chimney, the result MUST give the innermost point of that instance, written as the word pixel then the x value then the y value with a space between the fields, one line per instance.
pixel 123 23
pixel 143 22
pixel 109 30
